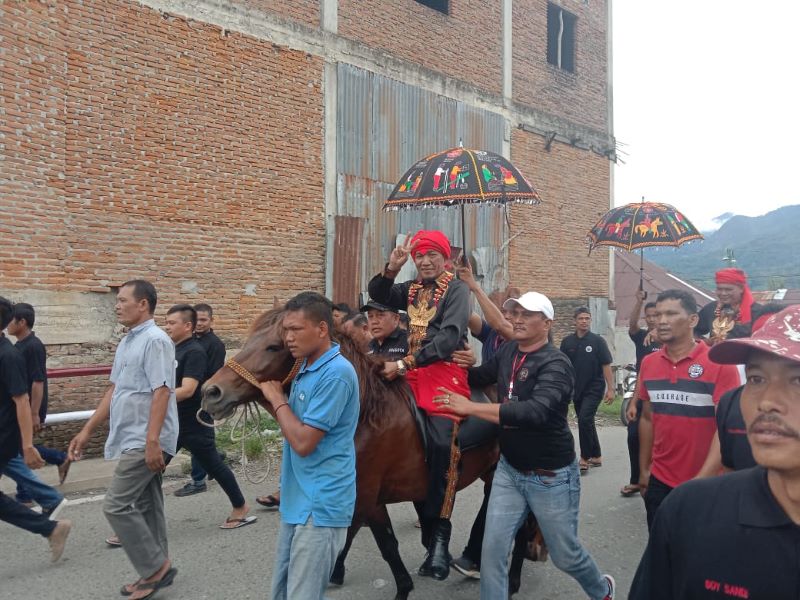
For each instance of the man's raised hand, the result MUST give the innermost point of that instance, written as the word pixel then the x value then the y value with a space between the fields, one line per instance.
pixel 400 255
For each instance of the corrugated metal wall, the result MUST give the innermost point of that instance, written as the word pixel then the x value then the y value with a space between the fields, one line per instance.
pixel 383 127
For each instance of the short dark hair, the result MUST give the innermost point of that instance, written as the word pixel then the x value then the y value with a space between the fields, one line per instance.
pixel 143 290
pixel 6 312
pixel 23 310
pixel 358 319
pixel 581 310
pixel 343 307
pixel 188 312
pixel 649 305
pixel 203 307
pixel 688 303
pixel 315 307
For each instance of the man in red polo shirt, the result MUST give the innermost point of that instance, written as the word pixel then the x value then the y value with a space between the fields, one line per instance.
pixel 679 387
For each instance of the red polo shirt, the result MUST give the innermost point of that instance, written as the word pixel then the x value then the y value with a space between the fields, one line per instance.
pixel 683 396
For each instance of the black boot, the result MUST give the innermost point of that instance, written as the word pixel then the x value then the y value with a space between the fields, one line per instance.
pixel 437 563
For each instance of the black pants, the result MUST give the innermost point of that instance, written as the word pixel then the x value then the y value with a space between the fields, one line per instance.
pixel 23 517
pixel 656 492
pixel 443 458
pixel 200 442
pixel 633 444
pixel 586 408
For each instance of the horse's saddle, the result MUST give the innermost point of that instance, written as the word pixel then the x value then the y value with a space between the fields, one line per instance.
pixel 472 433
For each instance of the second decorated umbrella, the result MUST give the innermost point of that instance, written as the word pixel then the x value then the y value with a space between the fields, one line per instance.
pixel 460 176
pixel 641 225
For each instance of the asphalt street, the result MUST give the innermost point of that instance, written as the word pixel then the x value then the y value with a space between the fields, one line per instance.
pixel 237 565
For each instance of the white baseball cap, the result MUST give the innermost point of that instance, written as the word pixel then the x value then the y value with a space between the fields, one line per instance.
pixel 534 302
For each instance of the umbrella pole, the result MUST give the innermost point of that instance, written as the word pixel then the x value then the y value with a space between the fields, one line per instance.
pixel 641 269
pixel 463 235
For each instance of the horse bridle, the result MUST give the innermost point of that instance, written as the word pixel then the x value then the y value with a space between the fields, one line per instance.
pixel 251 379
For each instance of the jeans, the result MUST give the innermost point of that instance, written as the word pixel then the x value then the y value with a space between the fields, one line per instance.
pixel 49 455
pixel 554 502
pixel 198 472
pixel 44 495
pixel 304 560
pixel 586 409
pixel 21 516
pixel 657 490
pixel 200 442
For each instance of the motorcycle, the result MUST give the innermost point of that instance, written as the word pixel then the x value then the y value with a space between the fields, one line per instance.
pixel 628 389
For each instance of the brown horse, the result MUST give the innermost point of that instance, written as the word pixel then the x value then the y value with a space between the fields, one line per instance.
pixel 390 460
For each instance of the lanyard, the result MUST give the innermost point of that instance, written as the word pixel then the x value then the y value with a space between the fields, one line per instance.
pixel 515 367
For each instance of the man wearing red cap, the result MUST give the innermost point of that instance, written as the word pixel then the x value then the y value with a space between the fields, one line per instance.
pixel 731 315
pixel 736 536
pixel 439 309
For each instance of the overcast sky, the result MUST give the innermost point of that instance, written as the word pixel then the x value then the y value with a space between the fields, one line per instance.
pixel 706 104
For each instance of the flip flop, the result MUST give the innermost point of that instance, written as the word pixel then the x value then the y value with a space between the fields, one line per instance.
pixel 63 471
pixel 239 522
pixel 113 541
pixel 629 490
pixel 166 580
pixel 269 501
pixel 593 462
pixel 583 467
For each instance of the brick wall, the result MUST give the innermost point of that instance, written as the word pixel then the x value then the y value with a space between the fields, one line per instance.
pixel 142 145
pixel 302 11
pixel 465 44
pixel 550 254
pixel 579 97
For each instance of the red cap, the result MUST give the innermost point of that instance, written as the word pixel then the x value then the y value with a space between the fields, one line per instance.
pixel 430 240
pixel 780 336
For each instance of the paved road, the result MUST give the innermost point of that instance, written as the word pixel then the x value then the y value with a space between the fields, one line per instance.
pixel 236 565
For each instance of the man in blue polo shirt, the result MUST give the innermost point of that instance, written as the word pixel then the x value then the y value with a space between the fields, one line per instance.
pixel 318 472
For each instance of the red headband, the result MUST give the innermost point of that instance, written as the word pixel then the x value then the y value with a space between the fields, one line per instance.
pixel 734 276
pixel 424 241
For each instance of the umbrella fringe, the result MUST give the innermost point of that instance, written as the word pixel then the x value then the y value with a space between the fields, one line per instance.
pixel 456 204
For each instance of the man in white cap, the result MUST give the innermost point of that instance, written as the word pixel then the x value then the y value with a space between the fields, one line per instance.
pixel 538 470
pixel 737 536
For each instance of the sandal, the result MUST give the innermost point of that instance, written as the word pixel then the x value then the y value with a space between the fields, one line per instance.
pixel 269 501
pixel 153 586
pixel 583 466
pixel 595 462
pixel 629 490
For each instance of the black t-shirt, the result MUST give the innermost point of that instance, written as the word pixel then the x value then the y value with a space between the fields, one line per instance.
pixel 394 347
pixel 13 382
pixel 719 538
pixel 733 442
pixel 35 356
pixel 642 350
pixel 588 354
pixel 534 432
pixel 215 351
pixel 707 316
pixel 192 362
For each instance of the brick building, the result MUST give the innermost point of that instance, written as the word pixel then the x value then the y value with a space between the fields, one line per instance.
pixel 235 151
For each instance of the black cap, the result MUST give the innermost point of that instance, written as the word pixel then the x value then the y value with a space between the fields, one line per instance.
pixel 372 304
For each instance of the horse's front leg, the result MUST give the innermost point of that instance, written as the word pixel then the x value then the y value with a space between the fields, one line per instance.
pixel 381 526
pixel 337 576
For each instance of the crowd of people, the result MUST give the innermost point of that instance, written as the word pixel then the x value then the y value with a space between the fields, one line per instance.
pixel 718 390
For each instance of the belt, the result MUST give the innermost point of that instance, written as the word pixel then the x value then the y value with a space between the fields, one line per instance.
pixel 544 472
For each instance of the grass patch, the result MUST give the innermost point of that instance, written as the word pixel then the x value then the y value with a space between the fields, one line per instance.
pixel 611 410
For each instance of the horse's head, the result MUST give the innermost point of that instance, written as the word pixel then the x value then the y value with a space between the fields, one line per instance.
pixel 264 355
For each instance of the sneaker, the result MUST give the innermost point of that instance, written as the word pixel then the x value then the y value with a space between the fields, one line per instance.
pixel 612 587
pixel 189 489
pixel 53 512
pixel 467 567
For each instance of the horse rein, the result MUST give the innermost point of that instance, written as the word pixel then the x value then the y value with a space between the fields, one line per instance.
pixel 251 379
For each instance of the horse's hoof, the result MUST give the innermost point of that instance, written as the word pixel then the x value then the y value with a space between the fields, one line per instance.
pixel 337 577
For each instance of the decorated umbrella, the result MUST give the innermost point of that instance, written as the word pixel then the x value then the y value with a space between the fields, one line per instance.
pixel 641 225
pixel 461 176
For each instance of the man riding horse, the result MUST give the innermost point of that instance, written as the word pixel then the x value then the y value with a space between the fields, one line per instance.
pixel 439 309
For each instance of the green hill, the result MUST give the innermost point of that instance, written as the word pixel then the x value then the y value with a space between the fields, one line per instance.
pixel 765 247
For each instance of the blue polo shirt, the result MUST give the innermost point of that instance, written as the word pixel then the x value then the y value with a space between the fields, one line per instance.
pixel 322 485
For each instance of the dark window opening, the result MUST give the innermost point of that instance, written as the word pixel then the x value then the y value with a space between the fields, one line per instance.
pixel 561 37
pixel 441 5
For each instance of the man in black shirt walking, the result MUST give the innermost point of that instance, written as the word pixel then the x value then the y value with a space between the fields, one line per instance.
pixel 591 358
pixel 215 351
pixel 537 470
pixel 196 438
pixel 738 535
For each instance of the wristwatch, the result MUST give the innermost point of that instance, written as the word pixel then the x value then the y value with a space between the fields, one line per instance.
pixel 401 368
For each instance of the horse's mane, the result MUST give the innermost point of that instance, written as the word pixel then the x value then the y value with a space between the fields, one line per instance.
pixel 376 394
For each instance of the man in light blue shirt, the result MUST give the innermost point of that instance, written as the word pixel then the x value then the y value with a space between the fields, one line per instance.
pixel 318 473
pixel 143 432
